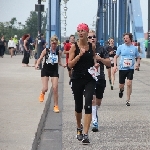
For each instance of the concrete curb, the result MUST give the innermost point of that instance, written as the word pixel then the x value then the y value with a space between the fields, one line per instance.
pixel 42 121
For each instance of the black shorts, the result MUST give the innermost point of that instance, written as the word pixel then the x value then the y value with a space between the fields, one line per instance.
pixel 11 47
pixel 100 87
pixel 35 56
pixel 112 65
pixel 68 68
pixel 45 73
pixel 108 67
pixel 123 74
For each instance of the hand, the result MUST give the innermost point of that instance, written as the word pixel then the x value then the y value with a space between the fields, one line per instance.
pixel 36 66
pixel 96 65
pixel 98 58
pixel 115 69
pixel 82 51
pixel 64 65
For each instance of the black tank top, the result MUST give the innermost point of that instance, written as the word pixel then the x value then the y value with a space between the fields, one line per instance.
pixel 49 66
pixel 80 70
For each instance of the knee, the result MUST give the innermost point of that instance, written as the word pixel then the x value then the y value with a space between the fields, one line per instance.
pixel 129 83
pixel 78 108
pixel 55 89
pixel 88 109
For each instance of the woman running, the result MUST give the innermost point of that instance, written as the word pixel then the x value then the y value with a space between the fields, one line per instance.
pixel 50 69
pixel 112 52
pixel 82 58
pixel 140 52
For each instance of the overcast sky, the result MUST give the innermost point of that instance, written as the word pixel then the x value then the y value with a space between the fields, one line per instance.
pixel 78 11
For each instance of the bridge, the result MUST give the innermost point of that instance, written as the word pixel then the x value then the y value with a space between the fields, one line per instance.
pixel 113 19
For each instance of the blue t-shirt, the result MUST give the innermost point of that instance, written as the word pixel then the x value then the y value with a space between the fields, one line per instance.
pixel 128 54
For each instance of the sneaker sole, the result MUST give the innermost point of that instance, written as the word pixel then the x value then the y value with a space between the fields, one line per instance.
pixel 56 111
pixel 95 130
pixel 85 143
pixel 79 139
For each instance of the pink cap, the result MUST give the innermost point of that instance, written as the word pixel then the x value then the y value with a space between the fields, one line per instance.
pixel 83 26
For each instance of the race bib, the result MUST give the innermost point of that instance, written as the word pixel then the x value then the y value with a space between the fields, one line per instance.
pixel 127 62
pixel 53 58
pixel 93 72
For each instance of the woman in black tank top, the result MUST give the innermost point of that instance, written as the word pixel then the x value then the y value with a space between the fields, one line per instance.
pixel 50 69
pixel 112 52
pixel 81 58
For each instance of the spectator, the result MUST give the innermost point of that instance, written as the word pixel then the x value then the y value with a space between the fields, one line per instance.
pixel 2 46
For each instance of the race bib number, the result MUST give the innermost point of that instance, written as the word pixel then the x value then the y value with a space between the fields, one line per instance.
pixel 127 62
pixel 52 59
pixel 93 72
pixel 111 59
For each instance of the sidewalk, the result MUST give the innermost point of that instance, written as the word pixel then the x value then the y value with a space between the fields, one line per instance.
pixel 145 60
pixel 20 110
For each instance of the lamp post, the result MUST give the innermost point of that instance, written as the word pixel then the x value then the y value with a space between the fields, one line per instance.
pixel 64 14
pixel 39 8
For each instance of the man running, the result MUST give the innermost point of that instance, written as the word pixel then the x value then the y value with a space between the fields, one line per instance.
pixel 103 59
pixel 128 52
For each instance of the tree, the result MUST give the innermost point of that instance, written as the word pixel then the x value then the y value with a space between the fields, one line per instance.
pixel 31 24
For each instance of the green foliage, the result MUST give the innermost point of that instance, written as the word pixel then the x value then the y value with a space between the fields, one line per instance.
pixel 11 28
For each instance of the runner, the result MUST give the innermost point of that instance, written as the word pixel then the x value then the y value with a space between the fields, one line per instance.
pixel 50 69
pixel 81 58
pixel 140 52
pixel 128 52
pixel 112 52
pixel 67 47
pixel 103 59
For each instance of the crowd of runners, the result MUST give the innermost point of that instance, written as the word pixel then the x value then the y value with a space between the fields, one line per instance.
pixel 86 60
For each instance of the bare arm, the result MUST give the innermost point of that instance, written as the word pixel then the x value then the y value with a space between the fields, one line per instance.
pixel 41 56
pixel 66 52
pixel 106 61
pixel 115 60
pixel 25 41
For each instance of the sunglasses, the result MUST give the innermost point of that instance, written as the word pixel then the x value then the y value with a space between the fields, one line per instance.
pixel 90 37
pixel 54 43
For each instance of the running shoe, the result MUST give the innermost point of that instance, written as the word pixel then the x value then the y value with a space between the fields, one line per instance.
pixel 111 87
pixel 121 93
pixel 41 97
pixel 56 109
pixel 95 126
pixel 127 103
pixel 79 135
pixel 85 140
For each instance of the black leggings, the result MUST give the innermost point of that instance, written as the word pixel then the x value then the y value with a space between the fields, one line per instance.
pixel 78 86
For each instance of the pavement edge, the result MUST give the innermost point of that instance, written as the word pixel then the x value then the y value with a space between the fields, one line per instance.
pixel 42 121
